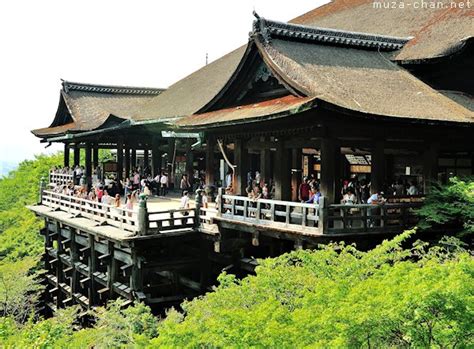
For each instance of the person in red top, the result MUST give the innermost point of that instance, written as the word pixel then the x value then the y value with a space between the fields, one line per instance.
pixel 303 191
pixel 99 193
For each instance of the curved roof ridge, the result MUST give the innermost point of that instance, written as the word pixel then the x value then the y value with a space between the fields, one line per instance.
pixel 110 89
pixel 269 28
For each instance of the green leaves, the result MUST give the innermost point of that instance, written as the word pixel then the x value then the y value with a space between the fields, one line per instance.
pixel 337 297
pixel 451 206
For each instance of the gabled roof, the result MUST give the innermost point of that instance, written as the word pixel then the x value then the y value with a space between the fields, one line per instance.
pixel 85 107
pixel 349 72
pixel 437 30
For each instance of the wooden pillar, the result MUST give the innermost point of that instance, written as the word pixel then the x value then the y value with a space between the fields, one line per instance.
pixel 88 169
pixel 265 165
pixel 282 172
pixel 430 166
pixel 66 155
pixel 120 159
pixel 111 268
pixel 377 173
pixel 189 163
pixel 133 156
pixel 95 155
pixel 127 160
pixel 210 159
pixel 77 154
pixel 329 152
pixel 59 264
pixel 296 172
pixel 241 159
pixel 74 255
pixel 136 276
pixel 145 156
pixel 155 157
pixel 92 269
pixel 170 164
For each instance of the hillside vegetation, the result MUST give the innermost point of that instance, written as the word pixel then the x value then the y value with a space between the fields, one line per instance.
pixel 333 297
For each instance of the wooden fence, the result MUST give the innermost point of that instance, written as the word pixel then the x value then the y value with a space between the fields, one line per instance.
pixel 268 212
pixel 119 217
pixel 60 178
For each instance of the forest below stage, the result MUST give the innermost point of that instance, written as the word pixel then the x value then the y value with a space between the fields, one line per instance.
pixel 400 294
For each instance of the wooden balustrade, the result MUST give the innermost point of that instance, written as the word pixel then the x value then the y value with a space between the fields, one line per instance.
pixel 363 218
pixel 60 178
pixel 267 212
pixel 160 221
pixel 300 217
pixel 119 217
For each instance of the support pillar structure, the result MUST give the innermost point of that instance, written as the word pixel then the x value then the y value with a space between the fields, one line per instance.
pixel 133 157
pixel 377 173
pixel 120 159
pixel 77 154
pixel 265 165
pixel 146 161
pixel 189 163
pixel 210 159
pixel 296 172
pixel 88 167
pixel 127 160
pixel 66 155
pixel 282 173
pixel 430 166
pixel 241 159
pixel 330 151
pixel 156 157
pixel 170 164
pixel 95 155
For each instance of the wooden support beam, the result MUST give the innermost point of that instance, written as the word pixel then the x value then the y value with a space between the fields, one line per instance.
pixel 329 155
pixel 111 268
pixel 146 161
pixel 119 174
pixel 377 175
pixel 127 160
pixel 265 164
pixel 430 166
pixel 210 159
pixel 241 159
pixel 156 157
pixel 189 162
pixel 296 172
pixel 66 155
pixel 95 156
pixel 88 165
pixel 282 172
pixel 77 154
pixel 133 156
pixel 92 266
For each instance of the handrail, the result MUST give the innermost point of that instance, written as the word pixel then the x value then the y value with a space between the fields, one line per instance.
pixel 119 217
pixel 60 178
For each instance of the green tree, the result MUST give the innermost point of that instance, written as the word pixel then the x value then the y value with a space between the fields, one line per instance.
pixel 450 206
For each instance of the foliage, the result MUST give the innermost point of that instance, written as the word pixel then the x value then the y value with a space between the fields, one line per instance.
pixel 450 205
pixel 337 297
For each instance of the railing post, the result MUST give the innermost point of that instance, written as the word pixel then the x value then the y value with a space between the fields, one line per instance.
pixel 41 189
pixel 198 204
pixel 142 216
pixel 323 216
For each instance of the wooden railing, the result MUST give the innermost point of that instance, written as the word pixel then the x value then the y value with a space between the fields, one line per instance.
pixel 270 212
pixel 102 213
pixel 60 178
pixel 320 219
pixel 160 221
pixel 362 218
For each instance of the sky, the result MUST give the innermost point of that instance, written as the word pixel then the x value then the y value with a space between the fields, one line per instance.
pixel 148 43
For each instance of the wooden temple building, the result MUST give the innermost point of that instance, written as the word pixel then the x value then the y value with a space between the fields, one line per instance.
pixel 343 90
